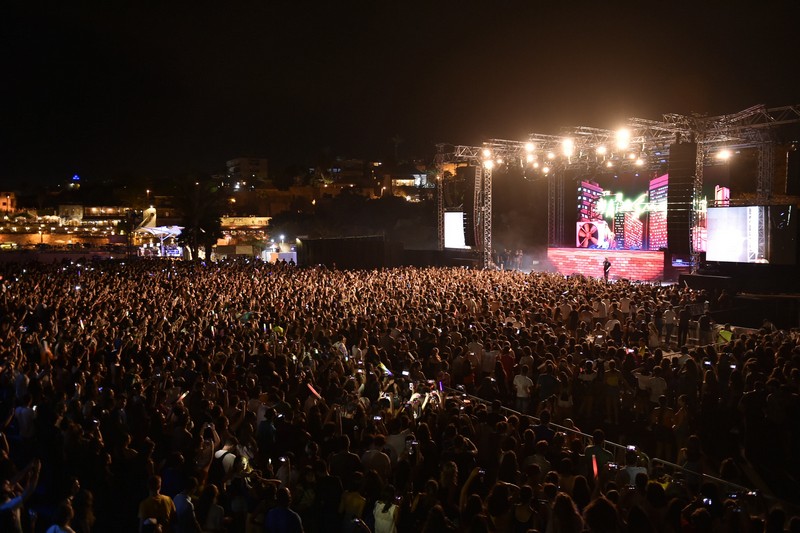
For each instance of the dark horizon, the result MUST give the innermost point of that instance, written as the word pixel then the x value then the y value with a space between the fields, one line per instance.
pixel 149 92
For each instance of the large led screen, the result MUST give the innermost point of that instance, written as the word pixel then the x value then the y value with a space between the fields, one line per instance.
pixel 752 234
pixel 454 230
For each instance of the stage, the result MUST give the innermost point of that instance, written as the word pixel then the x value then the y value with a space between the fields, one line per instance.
pixel 635 265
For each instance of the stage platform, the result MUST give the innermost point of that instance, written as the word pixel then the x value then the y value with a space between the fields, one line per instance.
pixel 635 265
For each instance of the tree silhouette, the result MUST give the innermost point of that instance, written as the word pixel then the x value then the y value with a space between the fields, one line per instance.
pixel 201 204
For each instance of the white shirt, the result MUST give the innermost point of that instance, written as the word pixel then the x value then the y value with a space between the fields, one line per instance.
pixel 523 385
pixel 489 358
pixel 385 522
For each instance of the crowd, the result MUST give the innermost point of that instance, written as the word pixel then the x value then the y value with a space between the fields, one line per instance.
pixel 247 397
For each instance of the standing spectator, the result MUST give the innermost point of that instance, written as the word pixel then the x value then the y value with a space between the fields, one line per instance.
pixel 705 326
pixel 523 385
pixel 84 519
pixel 281 519
pixel 185 518
pixel 614 383
pixel 669 319
pixel 12 499
pixel 210 514
pixel 386 511
pixel 62 518
pixel 157 506
pixel 684 317
pixel 565 517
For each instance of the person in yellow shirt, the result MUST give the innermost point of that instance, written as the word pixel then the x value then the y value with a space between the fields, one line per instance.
pixel 157 506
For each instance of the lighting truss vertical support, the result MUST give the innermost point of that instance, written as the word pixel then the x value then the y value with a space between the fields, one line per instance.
pixel 754 220
pixel 486 222
pixel 697 193
pixel 552 218
pixel 560 179
pixel 440 208
pixel 555 209
pixel 766 171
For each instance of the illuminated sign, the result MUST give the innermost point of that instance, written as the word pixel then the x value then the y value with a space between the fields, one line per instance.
pixel 609 205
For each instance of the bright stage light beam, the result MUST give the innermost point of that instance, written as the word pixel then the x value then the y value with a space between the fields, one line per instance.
pixel 529 147
pixel 623 137
pixel 551 155
pixel 609 164
pixel 601 150
pixel 529 158
pixel 488 164
pixel 546 170
pixel 639 162
pixel 487 153
pixel 568 147
pixel 724 154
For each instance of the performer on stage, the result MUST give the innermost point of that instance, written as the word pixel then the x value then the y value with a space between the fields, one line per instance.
pixel 606 268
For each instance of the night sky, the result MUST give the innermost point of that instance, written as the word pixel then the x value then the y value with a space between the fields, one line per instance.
pixel 102 90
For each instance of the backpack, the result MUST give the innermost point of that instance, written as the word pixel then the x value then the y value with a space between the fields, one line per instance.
pixel 216 472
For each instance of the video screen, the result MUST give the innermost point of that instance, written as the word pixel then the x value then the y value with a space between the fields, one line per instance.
pixel 752 234
pixel 454 230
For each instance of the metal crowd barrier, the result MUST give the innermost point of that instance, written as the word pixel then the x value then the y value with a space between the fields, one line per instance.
pixel 619 450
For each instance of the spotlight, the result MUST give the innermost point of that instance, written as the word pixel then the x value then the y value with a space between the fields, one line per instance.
pixel 609 164
pixel 724 154
pixel 529 147
pixel 529 158
pixel 487 153
pixel 551 155
pixel 639 162
pixel 499 160
pixel 489 164
pixel 623 137
pixel 546 170
pixel 631 156
pixel 568 147
pixel 601 150
pixel 535 164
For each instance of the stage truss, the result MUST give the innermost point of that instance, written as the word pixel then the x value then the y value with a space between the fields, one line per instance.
pixel 645 147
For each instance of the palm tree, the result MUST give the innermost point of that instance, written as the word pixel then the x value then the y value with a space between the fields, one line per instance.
pixel 201 203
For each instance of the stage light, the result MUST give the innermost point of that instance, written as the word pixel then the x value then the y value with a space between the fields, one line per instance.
pixel 488 164
pixel 601 150
pixel 639 162
pixel 551 155
pixel 568 147
pixel 631 156
pixel 623 137
pixel 609 164
pixel 530 158
pixel 546 170
pixel 487 153
pixel 499 160
pixel 529 147
pixel 535 164
pixel 724 154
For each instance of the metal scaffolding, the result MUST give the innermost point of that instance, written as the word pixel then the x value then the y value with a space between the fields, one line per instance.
pixel 646 147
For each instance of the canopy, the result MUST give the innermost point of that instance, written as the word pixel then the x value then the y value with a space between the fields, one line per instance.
pixel 162 232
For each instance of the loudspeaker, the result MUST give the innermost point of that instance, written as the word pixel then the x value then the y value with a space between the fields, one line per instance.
pixel 680 192
pixel 793 172
pixel 467 176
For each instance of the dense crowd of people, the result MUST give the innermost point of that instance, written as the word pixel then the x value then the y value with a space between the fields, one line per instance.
pixel 247 397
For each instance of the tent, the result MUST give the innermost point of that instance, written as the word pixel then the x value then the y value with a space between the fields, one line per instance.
pixel 161 232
